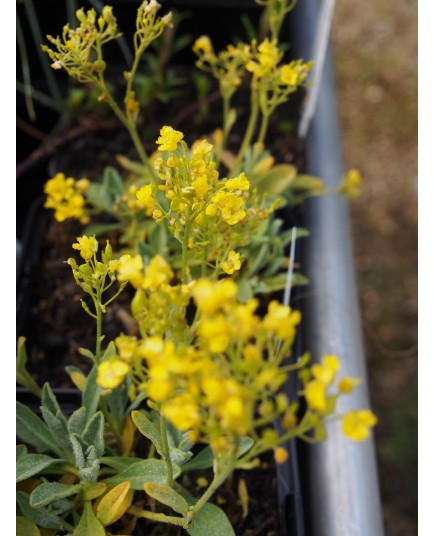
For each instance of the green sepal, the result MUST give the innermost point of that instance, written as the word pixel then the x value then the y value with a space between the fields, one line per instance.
pixel 23 377
pixel 168 496
pixel 89 524
pixel 31 429
pixel 49 492
pixel 32 464
pixel 144 471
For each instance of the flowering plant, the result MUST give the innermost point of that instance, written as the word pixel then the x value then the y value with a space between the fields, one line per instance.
pixel 201 385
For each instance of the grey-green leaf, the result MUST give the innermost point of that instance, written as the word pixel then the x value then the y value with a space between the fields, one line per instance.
pixel 48 492
pixel 94 433
pixel 210 520
pixel 119 463
pixel 41 516
pixel 58 427
pixel 32 464
pixel 148 429
pixel 21 450
pixel 144 471
pixel 89 524
pixel 77 421
pixel 168 496
pixel 31 429
pixel 22 375
pixel 91 394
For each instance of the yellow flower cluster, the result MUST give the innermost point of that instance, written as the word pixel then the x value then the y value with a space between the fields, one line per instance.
pixel 265 58
pixel 87 246
pixel 169 139
pixel 227 66
pixel 350 185
pixel 65 197
pixel 75 46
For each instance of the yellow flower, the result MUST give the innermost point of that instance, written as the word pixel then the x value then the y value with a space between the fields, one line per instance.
pixel 210 297
pixel 315 393
pixel 232 264
pixel 145 197
pixel 201 148
pixel 169 139
pixel 215 332
pixel 233 414
pixel 202 45
pixel 157 273
pixel 346 385
pixel 114 265
pixel 182 411
pixel 281 321
pixel 58 186
pixel 356 424
pixel 350 184
pixel 111 373
pixel 132 270
pixel 238 183
pixel 280 455
pixel 295 73
pixel 87 245
pixel 201 186
pixel 326 372
pixel 267 57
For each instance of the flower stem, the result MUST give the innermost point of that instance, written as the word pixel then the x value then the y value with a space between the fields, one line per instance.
pixel 250 127
pixel 154 516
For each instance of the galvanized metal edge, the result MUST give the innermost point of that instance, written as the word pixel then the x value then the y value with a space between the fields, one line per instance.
pixel 343 495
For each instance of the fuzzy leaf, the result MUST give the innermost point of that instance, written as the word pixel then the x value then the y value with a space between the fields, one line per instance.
pixel 210 520
pixel 94 433
pixel 205 458
pixel 32 464
pixel 48 492
pixel 89 524
pixel 118 463
pixel 31 429
pixel 141 472
pixel 58 427
pixel 97 196
pixel 115 503
pixel 277 180
pixel 113 183
pixel 148 429
pixel 21 450
pixel 100 229
pixel 41 516
pixel 25 527
pixel 168 496
pixel 77 421
pixel 78 450
pixel 93 490
pixel 91 394
pixel 307 182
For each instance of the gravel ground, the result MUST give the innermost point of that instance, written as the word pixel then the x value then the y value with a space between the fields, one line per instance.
pixel 375 50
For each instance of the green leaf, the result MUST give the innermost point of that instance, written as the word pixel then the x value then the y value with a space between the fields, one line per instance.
pixel 32 464
pixel 89 524
pixel 143 471
pixel 22 375
pixel 25 527
pixel 49 401
pixel 97 196
pixel 277 180
pixel 259 261
pixel 158 239
pixel 41 516
pixel 78 449
pixel 91 394
pixel 145 250
pixel 58 427
pixel 94 433
pixel 77 421
pixel 210 520
pixel 21 450
pixel 245 290
pixel 119 463
pixel 31 429
pixel 113 183
pixel 168 496
pixel 48 492
pixel 307 182
pixel 99 229
pixel 148 429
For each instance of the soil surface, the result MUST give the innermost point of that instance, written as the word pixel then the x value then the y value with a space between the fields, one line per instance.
pixel 375 52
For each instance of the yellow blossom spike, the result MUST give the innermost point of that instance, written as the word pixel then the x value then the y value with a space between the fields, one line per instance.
pixel 87 245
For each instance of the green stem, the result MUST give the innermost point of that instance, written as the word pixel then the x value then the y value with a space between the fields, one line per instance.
pixel 250 127
pixel 165 443
pixel 98 330
pixel 264 127
pixel 154 516
pixel 184 245
pixel 218 480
